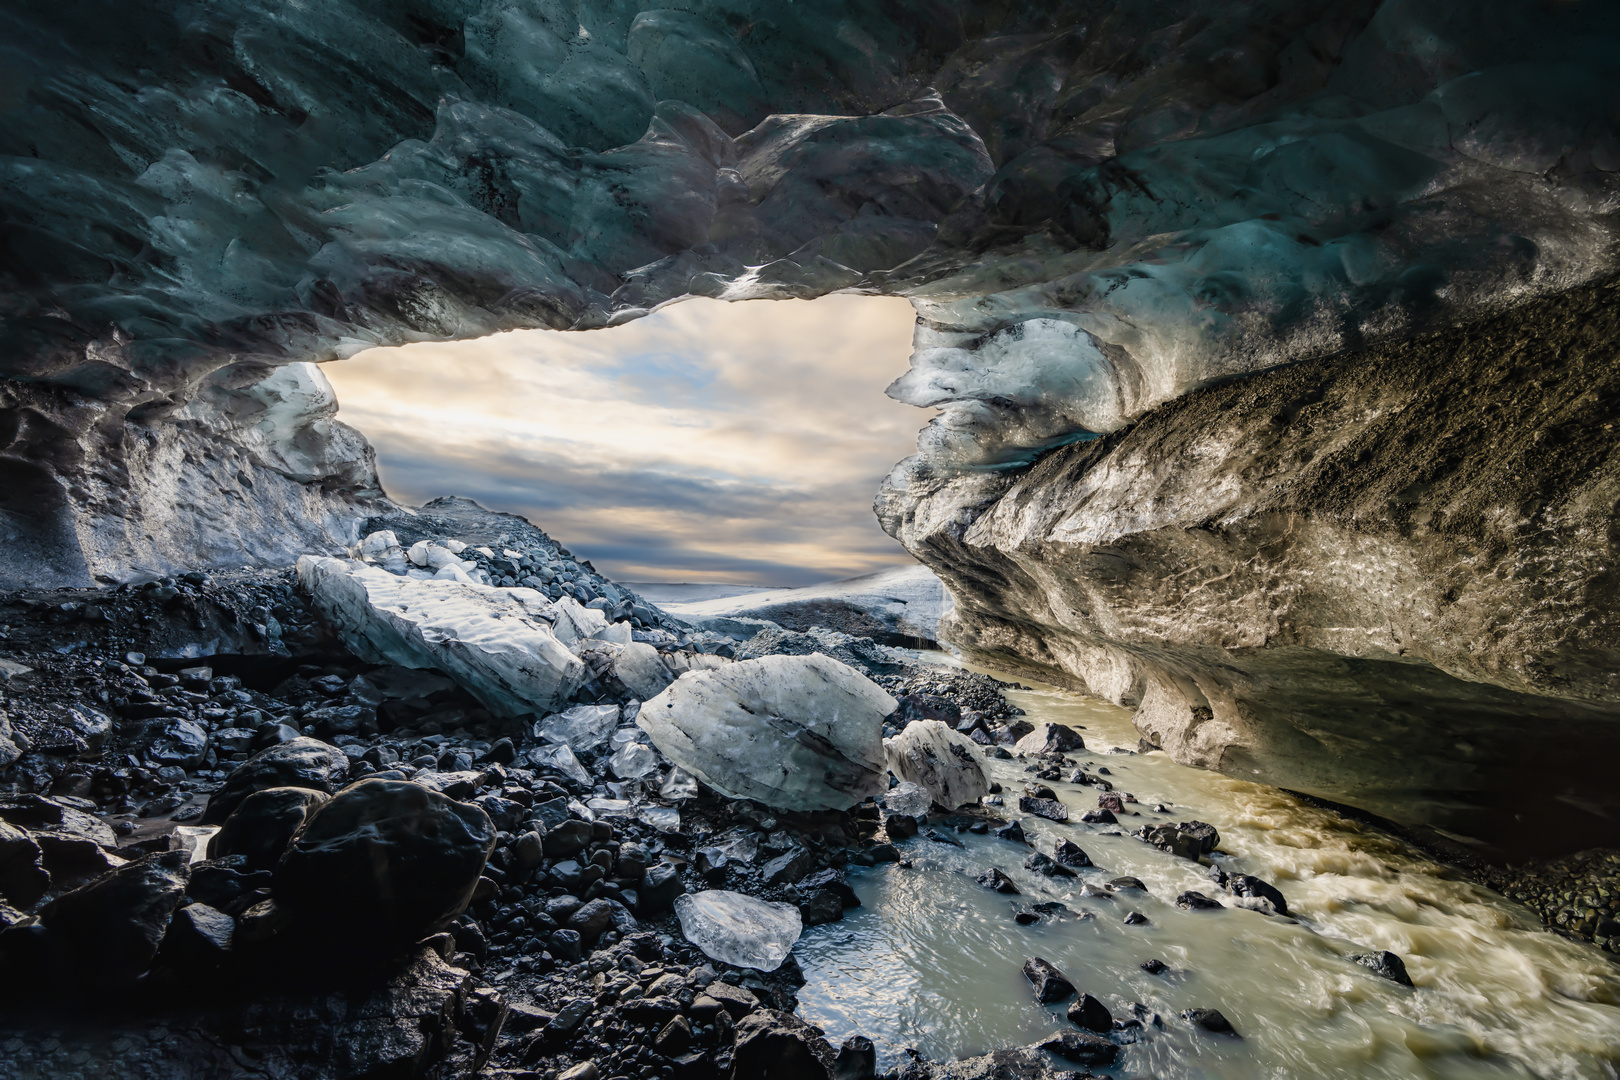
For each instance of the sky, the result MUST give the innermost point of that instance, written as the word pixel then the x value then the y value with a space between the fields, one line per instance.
pixel 708 442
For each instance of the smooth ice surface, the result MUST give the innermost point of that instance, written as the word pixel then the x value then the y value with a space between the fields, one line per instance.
pixel 495 643
pixel 792 732
pixel 944 763
pixel 583 727
pixel 739 930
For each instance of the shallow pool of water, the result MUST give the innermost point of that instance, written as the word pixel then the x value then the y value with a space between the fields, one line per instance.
pixel 932 960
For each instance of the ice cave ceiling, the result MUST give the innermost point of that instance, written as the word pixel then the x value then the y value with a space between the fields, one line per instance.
pixel 1095 206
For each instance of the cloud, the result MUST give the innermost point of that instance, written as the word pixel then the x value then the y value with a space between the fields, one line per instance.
pixel 706 442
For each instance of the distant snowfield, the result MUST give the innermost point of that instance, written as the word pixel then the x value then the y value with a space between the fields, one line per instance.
pixel 905 602
pixel 668 593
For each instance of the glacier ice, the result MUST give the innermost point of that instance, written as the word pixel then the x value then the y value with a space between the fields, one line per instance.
pixel 739 930
pixel 679 784
pixel 632 761
pixel 909 799
pixel 495 643
pixel 792 732
pixel 583 727
pixel 943 762
pixel 560 758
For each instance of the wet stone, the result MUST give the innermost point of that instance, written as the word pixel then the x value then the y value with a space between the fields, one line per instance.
pixel 1048 982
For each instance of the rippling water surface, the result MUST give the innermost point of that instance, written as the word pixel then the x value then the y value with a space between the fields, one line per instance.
pixel 932 960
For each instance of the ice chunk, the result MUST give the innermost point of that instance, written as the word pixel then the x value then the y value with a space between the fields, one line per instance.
pixel 627 734
pixel 632 761
pixel 609 807
pixel 943 762
pixel 559 759
pixel 792 732
pixel 739 930
pixel 383 547
pixel 909 799
pixel 679 784
pixel 576 623
pixel 618 632
pixel 641 670
pixel 662 818
pixel 584 727
pixel 493 642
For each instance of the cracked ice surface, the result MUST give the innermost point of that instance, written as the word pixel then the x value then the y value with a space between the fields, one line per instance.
pixel 792 732
pixel 496 643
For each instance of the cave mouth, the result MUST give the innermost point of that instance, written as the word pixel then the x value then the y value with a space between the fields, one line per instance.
pixel 709 443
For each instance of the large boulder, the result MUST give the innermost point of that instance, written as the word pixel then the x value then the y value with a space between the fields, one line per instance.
pixel 498 644
pixel 300 762
pixel 104 934
pixel 260 828
pixel 942 762
pixel 384 862
pixel 23 878
pixel 780 1046
pixel 792 732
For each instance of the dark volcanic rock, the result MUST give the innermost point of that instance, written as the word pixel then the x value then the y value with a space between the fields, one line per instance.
pixel 23 878
pixel 1251 887
pixel 1197 901
pixel 105 934
pixel 1044 865
pixel 1385 963
pixel 385 861
pixel 302 762
pixel 1091 1014
pixel 780 1046
pixel 1049 983
pixel 1050 809
pixel 995 879
pixel 1069 853
pixel 857 1060
pixel 262 825
pixel 1061 739
pixel 1082 1047
pixel 1210 1020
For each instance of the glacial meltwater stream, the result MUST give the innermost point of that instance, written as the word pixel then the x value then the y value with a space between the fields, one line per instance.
pixel 932 960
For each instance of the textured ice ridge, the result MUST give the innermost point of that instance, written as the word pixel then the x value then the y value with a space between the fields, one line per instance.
pixel 496 643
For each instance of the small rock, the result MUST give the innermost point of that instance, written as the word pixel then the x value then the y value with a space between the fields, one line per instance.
pixel 1049 983
pixel 1082 1047
pixel 1043 865
pixel 1069 853
pixel 1091 1014
pixel 857 1060
pixel 995 879
pixel 1197 901
pixel 1210 1020
pixel 1385 963
pixel 1050 809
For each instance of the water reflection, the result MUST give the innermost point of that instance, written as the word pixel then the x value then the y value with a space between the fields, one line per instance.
pixel 932 960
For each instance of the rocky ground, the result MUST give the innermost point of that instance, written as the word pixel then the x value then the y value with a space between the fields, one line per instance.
pixel 524 923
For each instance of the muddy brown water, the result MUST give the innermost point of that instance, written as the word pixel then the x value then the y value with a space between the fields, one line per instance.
pixel 932 960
